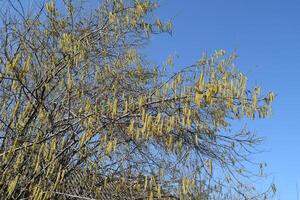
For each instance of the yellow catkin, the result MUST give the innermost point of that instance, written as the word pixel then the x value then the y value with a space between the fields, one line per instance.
pixel 145 183
pixel 131 127
pixel 12 186
pixel 151 196
pixel 17 105
pixel 14 63
pixel 210 167
pixel 126 106
pixel 115 107
pixel 158 191
pixel 50 6
pixel 158 118
pixel 25 68
pixel 109 147
pixel 69 81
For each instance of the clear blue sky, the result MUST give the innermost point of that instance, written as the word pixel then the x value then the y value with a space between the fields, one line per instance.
pixel 266 35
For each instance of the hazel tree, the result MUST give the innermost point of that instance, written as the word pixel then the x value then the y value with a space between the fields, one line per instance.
pixel 78 97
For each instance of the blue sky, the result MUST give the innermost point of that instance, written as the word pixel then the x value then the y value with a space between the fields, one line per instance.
pixel 266 36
